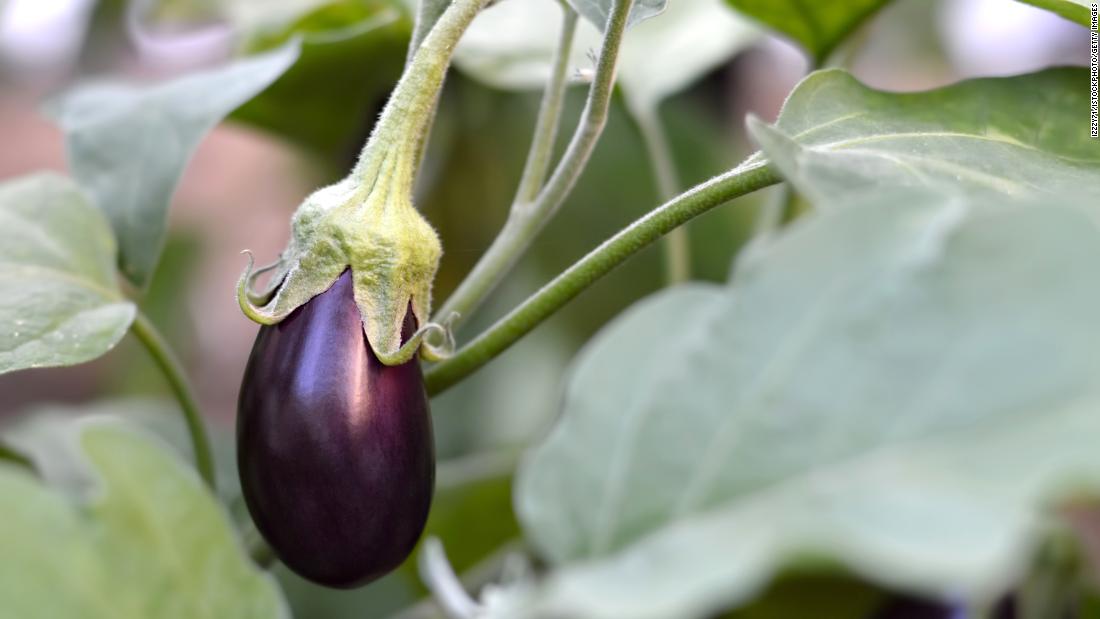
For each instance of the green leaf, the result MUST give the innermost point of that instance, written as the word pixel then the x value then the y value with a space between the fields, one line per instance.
pixel 1073 10
pixel 146 540
pixel 128 144
pixel 597 11
pixel 59 300
pixel 1018 136
pixel 899 386
pixel 817 26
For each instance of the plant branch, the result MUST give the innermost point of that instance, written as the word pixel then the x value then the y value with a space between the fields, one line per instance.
pixel 170 366
pixel 754 174
pixel 531 210
pixel 677 244
pixel 550 109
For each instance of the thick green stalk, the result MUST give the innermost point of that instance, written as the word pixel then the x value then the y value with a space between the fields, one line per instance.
pixel 170 366
pixel 529 215
pixel 404 122
pixel 748 177
pixel 677 245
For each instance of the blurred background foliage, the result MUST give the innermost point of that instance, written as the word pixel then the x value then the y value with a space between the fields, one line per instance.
pixel 306 130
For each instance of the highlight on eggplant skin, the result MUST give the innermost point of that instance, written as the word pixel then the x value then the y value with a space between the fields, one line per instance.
pixel 335 449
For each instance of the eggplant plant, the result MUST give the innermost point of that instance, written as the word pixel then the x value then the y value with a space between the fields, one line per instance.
pixel 889 406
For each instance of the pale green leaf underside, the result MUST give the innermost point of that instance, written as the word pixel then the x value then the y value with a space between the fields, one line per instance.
pixel 1008 136
pixel 127 145
pixel 597 11
pixel 1074 10
pixel 818 26
pixel 511 45
pixel 150 541
pixel 59 301
pixel 897 385
pixel 666 54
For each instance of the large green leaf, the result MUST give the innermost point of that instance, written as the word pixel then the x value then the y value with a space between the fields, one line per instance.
pixel 1075 10
pixel 145 539
pixel 1015 135
pixel 127 145
pixel 898 386
pixel 59 299
pixel 817 26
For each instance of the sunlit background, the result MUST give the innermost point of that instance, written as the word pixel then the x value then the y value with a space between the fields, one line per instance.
pixel 248 176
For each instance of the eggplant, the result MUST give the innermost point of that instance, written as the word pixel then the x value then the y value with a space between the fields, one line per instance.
pixel 335 449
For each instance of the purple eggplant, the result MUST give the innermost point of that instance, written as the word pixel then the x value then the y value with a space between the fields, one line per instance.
pixel 335 449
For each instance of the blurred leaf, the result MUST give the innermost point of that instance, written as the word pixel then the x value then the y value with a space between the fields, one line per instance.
pixel 59 300
pixel 1015 135
pixel 352 54
pixel 817 26
pixel 147 542
pixel 897 386
pixel 472 508
pixel 165 304
pixel 382 598
pixel 598 11
pixel 38 432
pixel 249 16
pixel 665 55
pixel 1073 10
pixel 511 45
pixel 127 145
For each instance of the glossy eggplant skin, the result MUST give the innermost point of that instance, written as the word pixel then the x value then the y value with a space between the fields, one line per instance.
pixel 335 449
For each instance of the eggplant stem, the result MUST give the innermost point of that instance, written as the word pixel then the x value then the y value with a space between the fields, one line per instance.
pixel 172 370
